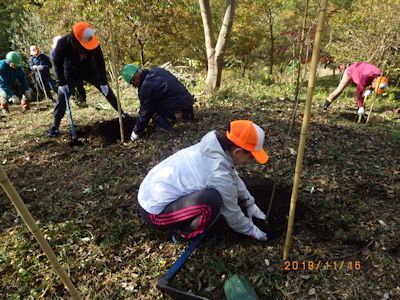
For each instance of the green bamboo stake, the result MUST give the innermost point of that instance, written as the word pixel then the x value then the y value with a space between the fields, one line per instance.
pixel 304 128
pixel 31 224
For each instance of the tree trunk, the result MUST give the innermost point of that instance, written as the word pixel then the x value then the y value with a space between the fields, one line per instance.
pixel 215 49
pixel 272 37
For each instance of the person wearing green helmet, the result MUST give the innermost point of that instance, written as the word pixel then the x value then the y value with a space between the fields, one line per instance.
pixel 11 71
pixel 163 98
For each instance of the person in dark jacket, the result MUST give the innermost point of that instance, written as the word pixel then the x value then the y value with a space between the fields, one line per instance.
pixel 162 96
pixel 79 92
pixel 10 72
pixel 40 64
pixel 78 57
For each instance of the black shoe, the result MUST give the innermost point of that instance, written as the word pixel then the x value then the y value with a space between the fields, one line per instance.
pixel 53 132
pixel 210 239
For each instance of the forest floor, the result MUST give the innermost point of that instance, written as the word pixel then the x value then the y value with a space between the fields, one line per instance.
pixel 345 241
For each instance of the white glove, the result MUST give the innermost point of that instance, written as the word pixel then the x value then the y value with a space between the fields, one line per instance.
pixel 63 89
pixel 254 211
pixel 367 93
pixel 134 136
pixel 40 68
pixel 34 67
pixel 14 99
pixel 104 89
pixel 258 234
pixel 360 111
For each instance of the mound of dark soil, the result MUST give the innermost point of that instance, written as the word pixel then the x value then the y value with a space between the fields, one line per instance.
pixel 107 132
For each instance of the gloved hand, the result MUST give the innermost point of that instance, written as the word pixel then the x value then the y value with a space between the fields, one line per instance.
pixel 63 89
pixel 367 93
pixel 258 234
pixel 254 211
pixel 38 67
pixel 104 89
pixel 360 111
pixel 14 99
pixel 134 136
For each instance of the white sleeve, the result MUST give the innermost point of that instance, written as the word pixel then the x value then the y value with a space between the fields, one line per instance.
pixel 244 194
pixel 227 185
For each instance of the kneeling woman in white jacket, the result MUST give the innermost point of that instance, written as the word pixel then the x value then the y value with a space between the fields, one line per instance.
pixel 187 191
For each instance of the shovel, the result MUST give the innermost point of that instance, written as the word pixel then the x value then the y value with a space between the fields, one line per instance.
pixel 74 137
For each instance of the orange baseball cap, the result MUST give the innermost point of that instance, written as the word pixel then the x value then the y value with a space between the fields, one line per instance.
pixel 248 136
pixel 84 33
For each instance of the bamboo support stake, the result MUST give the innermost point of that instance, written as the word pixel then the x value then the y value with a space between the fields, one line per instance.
pixel 304 128
pixel 31 224
pixel 121 123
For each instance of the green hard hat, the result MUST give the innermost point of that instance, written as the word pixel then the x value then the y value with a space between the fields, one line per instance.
pixel 14 57
pixel 129 71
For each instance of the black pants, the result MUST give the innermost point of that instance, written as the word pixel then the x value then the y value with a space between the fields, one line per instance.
pixel 190 215
pixel 60 106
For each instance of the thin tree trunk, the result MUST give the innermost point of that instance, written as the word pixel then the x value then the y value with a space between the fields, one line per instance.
pixel 272 37
pixel 215 49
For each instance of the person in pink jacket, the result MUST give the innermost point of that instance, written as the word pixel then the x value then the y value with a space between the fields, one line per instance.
pixel 363 75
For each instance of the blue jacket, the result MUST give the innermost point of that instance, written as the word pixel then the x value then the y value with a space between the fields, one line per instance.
pixel 159 90
pixel 8 75
pixel 72 61
pixel 41 60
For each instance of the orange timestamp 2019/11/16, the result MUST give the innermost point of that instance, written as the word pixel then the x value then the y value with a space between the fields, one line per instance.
pixel 310 265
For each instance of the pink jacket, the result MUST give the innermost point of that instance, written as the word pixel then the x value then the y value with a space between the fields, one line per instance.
pixel 362 74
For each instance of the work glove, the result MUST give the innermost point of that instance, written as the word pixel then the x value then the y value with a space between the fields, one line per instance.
pixel 254 211
pixel 258 234
pixel 360 111
pixel 367 93
pixel 38 67
pixel 104 89
pixel 134 136
pixel 14 99
pixel 63 89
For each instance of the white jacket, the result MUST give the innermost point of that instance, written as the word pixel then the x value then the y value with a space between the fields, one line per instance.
pixel 203 165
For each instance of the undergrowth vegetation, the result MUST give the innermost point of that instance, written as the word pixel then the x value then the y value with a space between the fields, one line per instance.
pixel 84 200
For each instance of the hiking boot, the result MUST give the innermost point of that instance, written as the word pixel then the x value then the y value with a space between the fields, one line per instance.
pixel 326 104
pixel 53 132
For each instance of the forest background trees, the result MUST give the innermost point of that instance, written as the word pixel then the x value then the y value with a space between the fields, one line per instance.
pixel 265 35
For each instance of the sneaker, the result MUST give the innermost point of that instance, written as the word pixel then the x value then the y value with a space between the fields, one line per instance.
pixel 210 239
pixel 177 238
pixel 326 104
pixel 53 132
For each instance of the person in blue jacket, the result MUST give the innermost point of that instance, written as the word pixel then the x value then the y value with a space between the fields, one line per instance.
pixel 78 57
pixel 40 64
pixel 11 71
pixel 162 96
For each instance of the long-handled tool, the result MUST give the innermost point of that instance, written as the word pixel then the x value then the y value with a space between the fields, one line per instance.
pixel 360 117
pixel 42 84
pixel 162 284
pixel 74 137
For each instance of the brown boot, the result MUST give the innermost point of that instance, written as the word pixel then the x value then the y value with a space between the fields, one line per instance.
pixel 4 108
pixel 25 104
